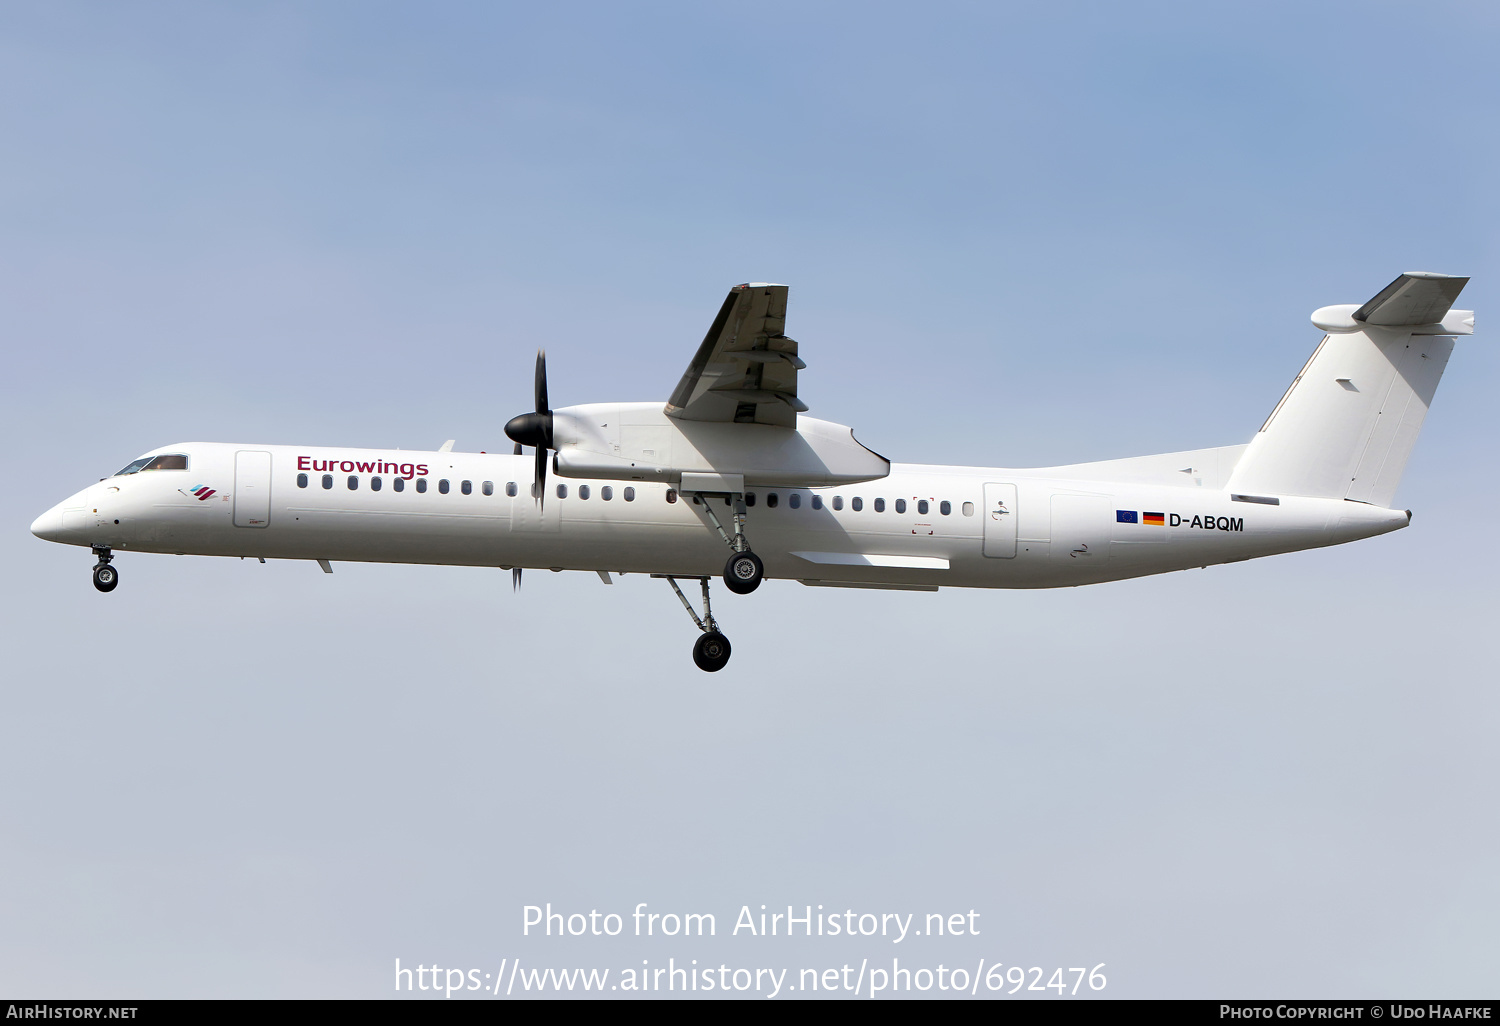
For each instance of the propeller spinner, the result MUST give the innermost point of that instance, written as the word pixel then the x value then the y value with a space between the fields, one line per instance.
pixel 535 429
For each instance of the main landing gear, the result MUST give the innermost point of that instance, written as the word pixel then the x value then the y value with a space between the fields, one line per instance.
pixel 106 577
pixel 711 650
pixel 744 571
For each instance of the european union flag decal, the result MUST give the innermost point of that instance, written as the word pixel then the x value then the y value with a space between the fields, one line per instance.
pixel 1125 516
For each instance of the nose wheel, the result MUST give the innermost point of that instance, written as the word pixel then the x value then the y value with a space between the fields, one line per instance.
pixel 106 577
pixel 711 650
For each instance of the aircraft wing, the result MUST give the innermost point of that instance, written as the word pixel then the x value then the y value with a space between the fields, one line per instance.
pixel 745 372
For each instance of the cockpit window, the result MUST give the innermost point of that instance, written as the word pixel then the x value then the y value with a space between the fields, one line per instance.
pixel 171 461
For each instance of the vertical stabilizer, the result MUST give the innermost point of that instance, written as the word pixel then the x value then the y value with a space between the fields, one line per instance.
pixel 1346 426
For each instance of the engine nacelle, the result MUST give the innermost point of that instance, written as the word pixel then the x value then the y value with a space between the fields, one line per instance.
pixel 639 442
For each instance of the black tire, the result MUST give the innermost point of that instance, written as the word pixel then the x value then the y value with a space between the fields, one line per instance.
pixel 743 572
pixel 711 652
pixel 106 577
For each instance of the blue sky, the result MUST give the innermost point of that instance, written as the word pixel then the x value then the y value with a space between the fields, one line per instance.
pixel 1016 235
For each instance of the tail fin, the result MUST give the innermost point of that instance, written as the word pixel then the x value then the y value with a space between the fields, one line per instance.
pixel 1347 424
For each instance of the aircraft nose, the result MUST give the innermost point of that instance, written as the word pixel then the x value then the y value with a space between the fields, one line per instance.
pixel 48 526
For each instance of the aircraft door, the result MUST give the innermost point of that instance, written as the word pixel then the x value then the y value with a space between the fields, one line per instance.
pixel 1000 520
pixel 1081 526
pixel 252 489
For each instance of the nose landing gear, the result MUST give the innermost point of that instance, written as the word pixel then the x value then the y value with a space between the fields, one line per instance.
pixel 711 650
pixel 106 577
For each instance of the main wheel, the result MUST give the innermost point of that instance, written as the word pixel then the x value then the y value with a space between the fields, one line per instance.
pixel 743 572
pixel 106 577
pixel 711 651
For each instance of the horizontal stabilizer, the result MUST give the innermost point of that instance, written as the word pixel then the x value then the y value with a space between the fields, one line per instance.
pixel 1414 298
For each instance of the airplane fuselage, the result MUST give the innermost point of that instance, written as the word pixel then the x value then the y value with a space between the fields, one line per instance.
pixel 730 467
pixel 920 527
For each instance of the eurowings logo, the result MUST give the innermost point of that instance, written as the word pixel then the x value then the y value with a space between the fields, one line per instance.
pixel 199 492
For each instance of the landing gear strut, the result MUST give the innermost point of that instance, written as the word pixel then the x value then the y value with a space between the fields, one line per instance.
pixel 711 650
pixel 744 571
pixel 106 577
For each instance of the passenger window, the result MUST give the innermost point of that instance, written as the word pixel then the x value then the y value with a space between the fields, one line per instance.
pixel 900 505
pixel 488 488
pixel 945 507
pixel 398 483
pixel 421 484
pixel 562 491
pixel 353 483
pixel 173 462
pixel 374 484
pixel 794 500
pixel 583 491
pixel 443 486
pixel 510 489
pixel 879 505
pixel 606 493
pixel 301 480
pixel 838 502
pixel 671 495
pixel 467 487
pixel 327 480
pixel 817 502
pixel 856 504
pixel 749 498
pixel 922 507
pixel 968 509
pixel 629 494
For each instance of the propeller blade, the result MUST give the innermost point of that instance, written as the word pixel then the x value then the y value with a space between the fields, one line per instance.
pixel 541 382
pixel 535 429
pixel 515 579
pixel 544 409
pixel 540 482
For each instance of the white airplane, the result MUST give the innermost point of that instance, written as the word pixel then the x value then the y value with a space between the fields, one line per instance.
pixel 666 489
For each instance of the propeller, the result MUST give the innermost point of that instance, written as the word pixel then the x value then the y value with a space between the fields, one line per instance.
pixel 535 429
pixel 515 579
